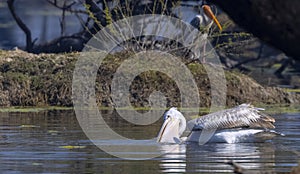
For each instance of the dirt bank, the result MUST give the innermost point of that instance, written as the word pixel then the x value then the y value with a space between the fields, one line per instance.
pixel 46 79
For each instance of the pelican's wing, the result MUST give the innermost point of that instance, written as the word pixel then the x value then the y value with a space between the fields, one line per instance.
pixel 243 115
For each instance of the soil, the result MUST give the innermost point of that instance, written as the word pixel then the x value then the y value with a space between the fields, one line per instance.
pixel 46 80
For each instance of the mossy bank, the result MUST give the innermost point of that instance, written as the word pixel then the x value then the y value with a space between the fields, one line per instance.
pixel 46 80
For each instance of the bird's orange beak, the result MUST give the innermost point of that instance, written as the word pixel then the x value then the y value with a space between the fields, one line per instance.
pixel 208 12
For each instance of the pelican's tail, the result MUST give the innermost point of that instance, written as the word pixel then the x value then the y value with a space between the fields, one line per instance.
pixel 268 134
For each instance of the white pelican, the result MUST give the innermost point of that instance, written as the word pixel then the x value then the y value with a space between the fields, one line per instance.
pixel 243 123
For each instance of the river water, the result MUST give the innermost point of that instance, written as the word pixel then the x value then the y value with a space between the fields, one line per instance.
pixel 53 142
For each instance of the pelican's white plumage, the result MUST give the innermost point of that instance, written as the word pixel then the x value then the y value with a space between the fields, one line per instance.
pixel 173 127
pixel 239 124
pixel 243 115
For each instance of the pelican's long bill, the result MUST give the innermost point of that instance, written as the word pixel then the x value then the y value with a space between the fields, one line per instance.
pixel 207 10
pixel 169 130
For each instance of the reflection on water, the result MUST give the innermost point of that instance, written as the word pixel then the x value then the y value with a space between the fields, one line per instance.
pixel 250 156
pixel 53 142
pixel 174 158
pixel 192 157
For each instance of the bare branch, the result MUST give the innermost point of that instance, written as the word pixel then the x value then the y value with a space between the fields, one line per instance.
pixel 62 20
pixel 29 44
pixel 67 8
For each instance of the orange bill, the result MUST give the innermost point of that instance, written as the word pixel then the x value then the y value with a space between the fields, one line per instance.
pixel 207 10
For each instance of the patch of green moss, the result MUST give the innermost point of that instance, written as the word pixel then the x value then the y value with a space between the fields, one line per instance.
pixel 292 90
pixel 279 108
pixel 37 83
pixel 232 77
pixel 16 77
pixel 196 68
pixel 32 109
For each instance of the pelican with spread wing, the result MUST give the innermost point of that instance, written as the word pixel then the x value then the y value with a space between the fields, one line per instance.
pixel 243 123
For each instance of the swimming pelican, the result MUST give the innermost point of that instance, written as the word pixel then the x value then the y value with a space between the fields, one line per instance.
pixel 243 123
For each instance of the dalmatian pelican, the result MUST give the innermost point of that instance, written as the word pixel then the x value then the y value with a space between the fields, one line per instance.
pixel 243 123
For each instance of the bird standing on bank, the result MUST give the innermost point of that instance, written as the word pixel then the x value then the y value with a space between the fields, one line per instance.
pixel 203 22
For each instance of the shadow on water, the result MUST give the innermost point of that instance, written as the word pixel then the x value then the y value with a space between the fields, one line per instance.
pixel 52 141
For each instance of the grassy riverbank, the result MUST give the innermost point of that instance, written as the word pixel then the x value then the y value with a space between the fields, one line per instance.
pixel 46 79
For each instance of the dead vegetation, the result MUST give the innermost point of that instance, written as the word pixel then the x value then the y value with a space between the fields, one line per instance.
pixel 46 79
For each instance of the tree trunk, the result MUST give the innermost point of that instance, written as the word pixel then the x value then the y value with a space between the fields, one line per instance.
pixel 275 21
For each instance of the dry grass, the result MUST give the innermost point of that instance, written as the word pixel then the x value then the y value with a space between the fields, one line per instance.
pixel 46 80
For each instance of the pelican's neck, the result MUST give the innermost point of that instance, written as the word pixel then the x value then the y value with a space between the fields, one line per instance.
pixel 182 125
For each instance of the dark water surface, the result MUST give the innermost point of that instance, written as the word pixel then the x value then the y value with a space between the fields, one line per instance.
pixel 53 142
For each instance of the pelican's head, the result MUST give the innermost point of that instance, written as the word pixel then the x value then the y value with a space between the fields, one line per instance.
pixel 173 127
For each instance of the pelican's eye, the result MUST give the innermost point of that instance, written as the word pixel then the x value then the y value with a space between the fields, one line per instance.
pixel 167 116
